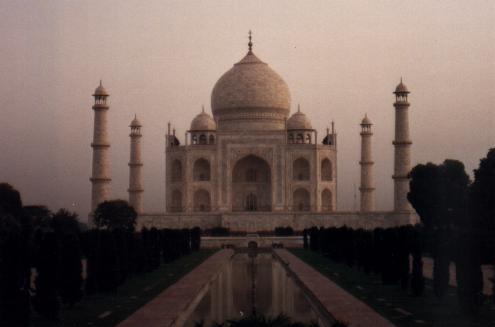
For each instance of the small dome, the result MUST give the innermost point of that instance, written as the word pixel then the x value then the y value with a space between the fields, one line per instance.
pixel 366 120
pixel 135 122
pixel 298 121
pixel 100 90
pixel 203 122
pixel 401 88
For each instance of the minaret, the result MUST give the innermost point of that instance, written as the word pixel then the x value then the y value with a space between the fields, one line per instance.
pixel 100 178
pixel 135 168
pixel 366 189
pixel 402 146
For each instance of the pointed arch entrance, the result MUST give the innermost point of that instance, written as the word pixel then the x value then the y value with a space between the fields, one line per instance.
pixel 251 185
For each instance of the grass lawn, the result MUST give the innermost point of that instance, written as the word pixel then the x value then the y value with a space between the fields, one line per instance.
pixel 393 303
pixel 105 309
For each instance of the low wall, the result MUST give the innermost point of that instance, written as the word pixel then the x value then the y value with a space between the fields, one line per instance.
pixel 243 241
pixel 268 221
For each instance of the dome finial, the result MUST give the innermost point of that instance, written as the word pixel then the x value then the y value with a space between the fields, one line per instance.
pixel 203 108
pixel 250 44
pixel 298 107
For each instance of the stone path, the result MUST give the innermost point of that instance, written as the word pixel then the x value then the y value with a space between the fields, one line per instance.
pixel 172 304
pixel 486 269
pixel 338 302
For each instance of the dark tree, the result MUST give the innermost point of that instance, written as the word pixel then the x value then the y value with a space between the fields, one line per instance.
pixel 115 214
pixel 15 232
pixel 66 228
pixel 417 279
pixel 10 201
pixel 482 203
pixel 65 222
pixel 424 193
pixel 195 238
pixel 14 281
pixel 91 245
pixel 46 301
pixel 440 196
pixel 108 263
pixel 122 240
pixel 314 243
pixel 305 238
pixel 39 215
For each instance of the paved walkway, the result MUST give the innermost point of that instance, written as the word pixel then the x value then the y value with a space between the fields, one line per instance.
pixel 338 302
pixel 486 269
pixel 165 309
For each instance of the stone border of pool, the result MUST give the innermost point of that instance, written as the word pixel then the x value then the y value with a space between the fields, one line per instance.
pixel 172 306
pixel 339 303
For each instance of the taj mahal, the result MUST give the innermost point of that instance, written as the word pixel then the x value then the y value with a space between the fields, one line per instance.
pixel 252 165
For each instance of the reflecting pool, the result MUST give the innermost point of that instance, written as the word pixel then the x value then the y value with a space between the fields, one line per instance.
pixel 255 283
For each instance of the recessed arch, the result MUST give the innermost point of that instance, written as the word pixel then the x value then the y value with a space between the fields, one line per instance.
pixel 300 170
pixel 202 201
pixel 326 200
pixel 201 170
pixel 301 200
pixel 326 170
pixel 176 171
pixel 176 201
pixel 251 185
pixel 203 139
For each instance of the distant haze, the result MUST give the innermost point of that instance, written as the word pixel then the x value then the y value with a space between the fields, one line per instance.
pixel 161 59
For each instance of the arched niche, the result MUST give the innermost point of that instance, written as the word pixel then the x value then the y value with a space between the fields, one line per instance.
pixel 176 201
pixel 301 200
pixel 176 171
pixel 202 201
pixel 251 185
pixel 326 170
pixel 326 200
pixel 300 170
pixel 201 170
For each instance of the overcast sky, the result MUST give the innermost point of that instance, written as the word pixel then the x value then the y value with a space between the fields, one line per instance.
pixel 161 59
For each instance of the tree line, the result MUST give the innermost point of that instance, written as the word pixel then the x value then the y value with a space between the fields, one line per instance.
pixel 458 216
pixel 457 226
pixel 384 252
pixel 47 260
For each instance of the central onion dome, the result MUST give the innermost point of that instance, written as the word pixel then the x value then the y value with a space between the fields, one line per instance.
pixel 250 96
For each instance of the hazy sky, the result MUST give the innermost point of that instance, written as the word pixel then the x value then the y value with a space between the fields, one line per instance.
pixel 161 59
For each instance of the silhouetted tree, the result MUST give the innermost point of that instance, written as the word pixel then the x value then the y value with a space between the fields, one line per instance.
pixel 39 215
pixel 417 279
pixel 66 227
pixel 425 195
pixel 14 282
pixel 115 214
pixel 10 201
pixel 482 202
pixel 195 239
pixel 15 233
pixel 108 263
pixel 305 238
pixel 46 301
